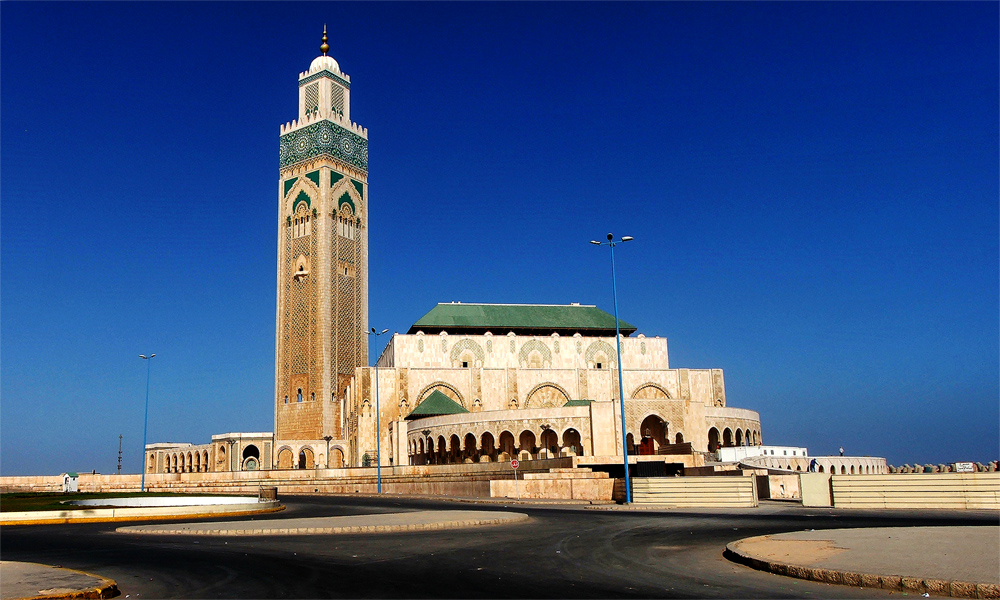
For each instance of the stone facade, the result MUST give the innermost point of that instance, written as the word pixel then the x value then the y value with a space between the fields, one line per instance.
pixel 516 388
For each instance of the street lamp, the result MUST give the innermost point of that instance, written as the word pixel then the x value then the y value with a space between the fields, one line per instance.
pixel 145 420
pixel 621 388
pixel 378 425
pixel 327 438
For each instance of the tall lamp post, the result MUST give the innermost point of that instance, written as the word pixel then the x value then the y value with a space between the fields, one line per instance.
pixel 145 420
pixel 618 343
pixel 378 424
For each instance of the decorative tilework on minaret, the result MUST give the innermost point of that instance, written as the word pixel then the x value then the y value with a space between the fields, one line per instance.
pixel 322 300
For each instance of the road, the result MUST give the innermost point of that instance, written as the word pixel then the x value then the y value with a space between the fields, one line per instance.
pixel 566 552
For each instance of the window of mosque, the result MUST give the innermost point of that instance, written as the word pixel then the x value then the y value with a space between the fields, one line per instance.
pixel 599 365
pixel 337 99
pixel 346 228
pixel 300 394
pixel 312 98
pixel 301 226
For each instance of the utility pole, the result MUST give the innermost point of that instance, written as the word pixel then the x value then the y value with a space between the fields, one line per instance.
pixel 120 454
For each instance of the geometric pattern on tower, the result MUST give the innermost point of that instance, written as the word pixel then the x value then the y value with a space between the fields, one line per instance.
pixel 324 138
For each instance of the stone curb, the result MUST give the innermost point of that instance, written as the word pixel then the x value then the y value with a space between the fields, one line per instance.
pixel 50 518
pixel 329 530
pixel 938 587
pixel 106 588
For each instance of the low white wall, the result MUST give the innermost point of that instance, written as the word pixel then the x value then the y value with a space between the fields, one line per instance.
pixel 720 492
pixel 167 501
pixel 83 515
pixel 929 490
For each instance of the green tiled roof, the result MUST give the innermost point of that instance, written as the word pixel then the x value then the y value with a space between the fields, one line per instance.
pixel 436 404
pixel 578 403
pixel 527 319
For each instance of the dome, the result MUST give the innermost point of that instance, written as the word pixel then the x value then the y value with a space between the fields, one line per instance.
pixel 324 62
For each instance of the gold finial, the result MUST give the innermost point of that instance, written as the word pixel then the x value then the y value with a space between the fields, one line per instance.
pixel 325 47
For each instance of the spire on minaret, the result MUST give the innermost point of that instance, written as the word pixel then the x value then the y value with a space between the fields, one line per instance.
pixel 324 48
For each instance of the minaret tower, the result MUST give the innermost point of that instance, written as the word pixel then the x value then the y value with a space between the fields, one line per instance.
pixel 322 256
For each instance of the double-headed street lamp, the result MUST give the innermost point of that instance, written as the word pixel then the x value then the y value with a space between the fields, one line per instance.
pixel 621 388
pixel 145 420
pixel 378 430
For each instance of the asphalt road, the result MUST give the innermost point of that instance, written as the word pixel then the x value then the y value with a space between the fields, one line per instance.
pixel 565 552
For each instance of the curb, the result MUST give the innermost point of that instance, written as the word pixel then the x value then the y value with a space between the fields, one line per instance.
pixel 69 520
pixel 107 588
pixel 940 587
pixel 329 530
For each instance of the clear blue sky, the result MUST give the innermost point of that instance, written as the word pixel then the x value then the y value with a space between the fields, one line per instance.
pixel 812 188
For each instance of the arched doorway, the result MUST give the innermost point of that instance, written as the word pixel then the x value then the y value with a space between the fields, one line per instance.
pixel 469 452
pixel 654 434
pixel 526 442
pixel 713 439
pixel 506 445
pixel 306 459
pixel 336 458
pixel 679 438
pixel 571 441
pixel 550 442
pixel 454 449
pixel 285 458
pixel 739 437
pixel 487 447
pixel 727 437
pixel 251 458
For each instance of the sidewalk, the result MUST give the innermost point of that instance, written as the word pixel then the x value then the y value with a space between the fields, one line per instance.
pixel 963 562
pixel 423 520
pixel 31 580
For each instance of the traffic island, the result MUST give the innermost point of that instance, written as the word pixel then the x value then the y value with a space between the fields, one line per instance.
pixel 358 524
pixel 32 581
pixel 947 561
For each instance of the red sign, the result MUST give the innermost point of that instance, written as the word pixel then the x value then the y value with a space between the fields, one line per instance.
pixel 513 464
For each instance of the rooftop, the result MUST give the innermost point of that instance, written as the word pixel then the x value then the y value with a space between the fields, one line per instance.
pixel 522 319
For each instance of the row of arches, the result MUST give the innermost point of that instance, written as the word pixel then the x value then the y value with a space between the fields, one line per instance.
pixel 305 458
pixel 183 462
pixel 742 437
pixel 861 469
pixel 489 448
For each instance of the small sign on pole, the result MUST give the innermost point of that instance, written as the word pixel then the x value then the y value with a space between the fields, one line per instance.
pixel 513 465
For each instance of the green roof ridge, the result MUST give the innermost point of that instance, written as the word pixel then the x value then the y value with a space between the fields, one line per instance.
pixel 435 404
pixel 501 318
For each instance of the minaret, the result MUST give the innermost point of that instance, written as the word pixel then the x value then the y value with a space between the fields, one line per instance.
pixel 322 302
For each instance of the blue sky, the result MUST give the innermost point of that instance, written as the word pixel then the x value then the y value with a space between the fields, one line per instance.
pixel 812 188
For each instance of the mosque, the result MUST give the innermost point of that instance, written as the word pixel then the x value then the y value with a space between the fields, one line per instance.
pixel 467 383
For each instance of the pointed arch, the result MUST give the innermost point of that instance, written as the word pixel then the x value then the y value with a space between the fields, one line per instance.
pixel 345 193
pixel 534 346
pixel 650 391
pixel 467 344
pixel 546 395
pixel 603 347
